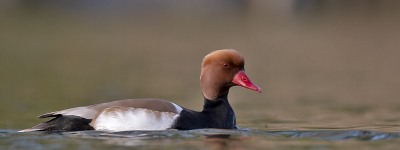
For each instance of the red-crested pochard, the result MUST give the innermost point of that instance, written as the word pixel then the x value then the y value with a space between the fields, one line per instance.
pixel 220 71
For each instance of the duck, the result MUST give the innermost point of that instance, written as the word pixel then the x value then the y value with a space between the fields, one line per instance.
pixel 221 70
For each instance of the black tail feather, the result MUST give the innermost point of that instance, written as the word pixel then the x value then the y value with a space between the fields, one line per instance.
pixel 63 123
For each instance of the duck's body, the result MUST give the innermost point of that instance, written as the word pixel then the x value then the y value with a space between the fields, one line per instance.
pixel 221 70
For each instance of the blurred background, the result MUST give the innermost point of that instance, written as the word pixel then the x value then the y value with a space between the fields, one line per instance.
pixel 320 63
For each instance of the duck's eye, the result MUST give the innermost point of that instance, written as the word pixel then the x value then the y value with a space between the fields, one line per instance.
pixel 225 65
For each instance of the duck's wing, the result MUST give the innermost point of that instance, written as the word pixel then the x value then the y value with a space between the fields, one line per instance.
pixel 79 118
pixel 88 112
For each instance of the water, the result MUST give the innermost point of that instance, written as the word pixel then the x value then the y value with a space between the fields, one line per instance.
pixel 243 138
pixel 329 70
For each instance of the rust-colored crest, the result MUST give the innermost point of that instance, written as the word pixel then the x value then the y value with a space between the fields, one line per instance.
pixel 225 55
pixel 219 57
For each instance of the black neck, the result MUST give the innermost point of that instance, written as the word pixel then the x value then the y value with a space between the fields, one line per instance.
pixel 216 113
pixel 212 105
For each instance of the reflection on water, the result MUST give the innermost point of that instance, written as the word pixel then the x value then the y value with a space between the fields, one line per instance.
pixel 204 138
pixel 323 65
pixel 217 141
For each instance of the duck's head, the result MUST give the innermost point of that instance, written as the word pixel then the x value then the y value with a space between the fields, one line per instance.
pixel 221 70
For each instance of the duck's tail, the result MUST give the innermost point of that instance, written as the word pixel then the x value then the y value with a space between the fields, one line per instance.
pixel 63 123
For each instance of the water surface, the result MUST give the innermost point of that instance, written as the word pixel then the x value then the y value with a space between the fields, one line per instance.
pixel 243 138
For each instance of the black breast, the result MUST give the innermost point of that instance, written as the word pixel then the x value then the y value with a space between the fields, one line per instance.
pixel 216 114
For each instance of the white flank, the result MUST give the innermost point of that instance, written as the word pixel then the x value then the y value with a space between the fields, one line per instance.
pixel 177 107
pixel 134 119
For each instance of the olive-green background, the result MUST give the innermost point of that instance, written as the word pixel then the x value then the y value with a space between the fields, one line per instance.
pixel 319 63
